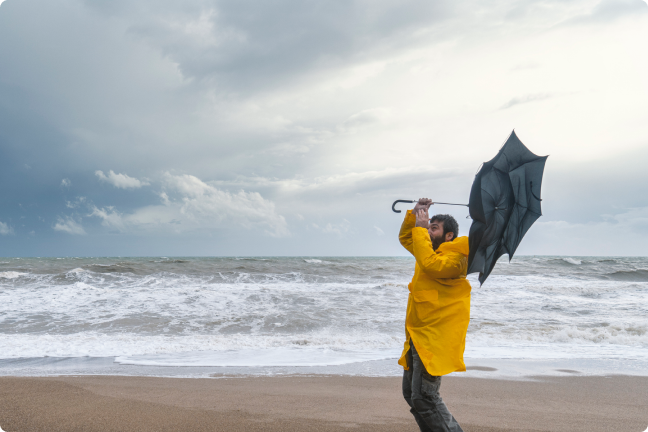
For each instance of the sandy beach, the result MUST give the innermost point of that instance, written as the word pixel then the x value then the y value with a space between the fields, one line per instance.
pixel 315 403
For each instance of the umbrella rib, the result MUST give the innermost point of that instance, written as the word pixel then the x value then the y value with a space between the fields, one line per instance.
pixel 507 162
pixel 489 194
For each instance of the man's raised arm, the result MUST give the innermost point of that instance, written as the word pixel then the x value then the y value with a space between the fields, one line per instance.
pixel 405 234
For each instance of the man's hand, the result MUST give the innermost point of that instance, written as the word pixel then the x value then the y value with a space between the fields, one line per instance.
pixel 423 203
pixel 421 212
pixel 423 218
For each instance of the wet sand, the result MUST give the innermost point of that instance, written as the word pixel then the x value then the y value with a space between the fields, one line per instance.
pixel 318 403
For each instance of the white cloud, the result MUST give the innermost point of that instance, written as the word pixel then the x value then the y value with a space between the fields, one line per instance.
pixel 526 99
pixel 69 226
pixel 121 181
pixel 340 229
pixel 66 183
pixel 365 118
pixel 109 217
pixel 189 204
pixel 351 182
pixel 5 229
pixel 76 203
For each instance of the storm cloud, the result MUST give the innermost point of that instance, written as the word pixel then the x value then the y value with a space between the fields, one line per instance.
pixel 212 127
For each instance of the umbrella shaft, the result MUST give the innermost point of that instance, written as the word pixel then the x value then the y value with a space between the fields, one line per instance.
pixel 465 205
pixel 413 201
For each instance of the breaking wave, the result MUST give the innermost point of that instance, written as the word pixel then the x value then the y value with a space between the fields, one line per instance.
pixel 306 310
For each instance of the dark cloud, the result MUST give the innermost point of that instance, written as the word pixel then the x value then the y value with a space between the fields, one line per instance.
pixel 611 10
pixel 241 46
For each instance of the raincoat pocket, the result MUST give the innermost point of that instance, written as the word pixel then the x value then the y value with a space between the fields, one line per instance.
pixel 424 311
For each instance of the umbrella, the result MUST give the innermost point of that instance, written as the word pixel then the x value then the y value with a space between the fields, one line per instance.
pixel 504 202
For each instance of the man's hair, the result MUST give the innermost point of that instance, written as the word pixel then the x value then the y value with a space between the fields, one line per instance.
pixel 449 224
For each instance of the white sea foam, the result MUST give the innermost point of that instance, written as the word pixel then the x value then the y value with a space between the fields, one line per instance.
pixel 261 357
pixel 219 347
pixel 11 274
pixel 77 271
pixel 296 311
pixel 573 261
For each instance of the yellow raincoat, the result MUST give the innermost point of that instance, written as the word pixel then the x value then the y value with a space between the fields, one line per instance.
pixel 438 308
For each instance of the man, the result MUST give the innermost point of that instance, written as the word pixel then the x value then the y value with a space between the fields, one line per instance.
pixel 438 312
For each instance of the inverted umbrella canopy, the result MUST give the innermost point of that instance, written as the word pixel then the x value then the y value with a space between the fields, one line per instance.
pixel 504 203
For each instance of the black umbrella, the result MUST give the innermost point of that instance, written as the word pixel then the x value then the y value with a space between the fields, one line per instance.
pixel 504 203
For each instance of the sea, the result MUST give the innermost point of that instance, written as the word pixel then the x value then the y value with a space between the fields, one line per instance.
pixel 241 316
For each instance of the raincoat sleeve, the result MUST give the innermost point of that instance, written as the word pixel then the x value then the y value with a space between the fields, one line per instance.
pixel 405 235
pixel 438 266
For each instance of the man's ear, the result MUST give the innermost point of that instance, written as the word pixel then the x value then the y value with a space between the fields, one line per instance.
pixel 448 236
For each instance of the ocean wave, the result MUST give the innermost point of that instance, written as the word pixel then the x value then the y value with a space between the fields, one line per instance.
pixel 317 261
pixel 94 344
pixel 171 261
pixel 564 260
pixel 394 284
pixel 112 268
pixel 11 274
pixel 158 304
pixel 77 270
pixel 293 304
pixel 629 276
pixel 263 357
pixel 323 348
pixel 573 261
pixel 251 259
pixel 610 335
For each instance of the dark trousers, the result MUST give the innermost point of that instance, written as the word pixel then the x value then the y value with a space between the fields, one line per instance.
pixel 421 391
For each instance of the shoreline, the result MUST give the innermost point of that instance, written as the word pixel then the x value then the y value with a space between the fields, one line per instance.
pixel 320 403
pixel 487 368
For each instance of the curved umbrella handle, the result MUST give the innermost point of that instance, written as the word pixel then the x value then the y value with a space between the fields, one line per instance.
pixel 399 201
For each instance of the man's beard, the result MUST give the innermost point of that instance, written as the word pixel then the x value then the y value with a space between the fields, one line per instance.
pixel 436 241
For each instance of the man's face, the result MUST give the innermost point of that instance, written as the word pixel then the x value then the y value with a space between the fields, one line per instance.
pixel 436 233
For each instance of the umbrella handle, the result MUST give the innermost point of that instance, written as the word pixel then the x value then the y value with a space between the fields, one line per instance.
pixel 399 201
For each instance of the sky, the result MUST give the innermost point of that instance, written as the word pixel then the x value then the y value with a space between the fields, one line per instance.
pixel 231 128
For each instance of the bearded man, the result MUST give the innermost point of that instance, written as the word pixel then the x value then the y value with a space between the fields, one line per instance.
pixel 438 312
